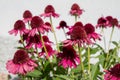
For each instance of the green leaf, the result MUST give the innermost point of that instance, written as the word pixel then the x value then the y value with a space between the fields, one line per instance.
pixel 60 70
pixel 100 47
pixel 102 59
pixel 115 43
pixel 95 71
pixel 94 50
pixel 35 73
pixel 77 69
pixel 64 77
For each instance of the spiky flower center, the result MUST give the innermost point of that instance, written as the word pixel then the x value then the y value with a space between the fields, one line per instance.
pixel 49 9
pixel 78 33
pixel 20 57
pixel 36 22
pixel 68 51
pixel 27 14
pixel 115 70
pixel 19 25
pixel 75 7
pixel 101 20
pixel 89 28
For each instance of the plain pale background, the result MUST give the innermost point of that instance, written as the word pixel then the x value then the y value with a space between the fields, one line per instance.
pixel 12 10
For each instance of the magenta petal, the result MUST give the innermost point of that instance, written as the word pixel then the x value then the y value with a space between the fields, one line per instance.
pixel 32 32
pixel 27 67
pixel 13 32
pixel 21 70
pixel 64 63
pixel 11 67
pixel 32 63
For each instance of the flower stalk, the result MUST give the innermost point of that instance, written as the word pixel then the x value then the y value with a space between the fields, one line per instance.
pixel 107 56
pixel 89 67
pixel 82 66
pixel 54 34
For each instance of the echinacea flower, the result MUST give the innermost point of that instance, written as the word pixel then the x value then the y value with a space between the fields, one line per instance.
pixel 21 63
pixel 46 40
pixel 75 10
pixel 20 27
pixel 90 30
pixel 27 15
pixel 113 73
pixel 78 36
pixel 68 57
pixel 102 22
pixel 109 19
pixel 48 27
pixel 62 25
pixel 33 41
pixel 49 11
pixel 49 50
pixel 37 25
pixel 114 22
pixel 76 24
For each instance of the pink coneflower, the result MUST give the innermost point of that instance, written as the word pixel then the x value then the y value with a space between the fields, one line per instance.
pixel 27 15
pixel 49 49
pixel 69 57
pixel 33 41
pixel 48 27
pixel 75 10
pixel 46 40
pixel 78 35
pixel 76 24
pixel 112 22
pixel 113 73
pixel 102 22
pixel 109 18
pixel 37 25
pixel 21 63
pixel 91 34
pixel 19 26
pixel 119 26
pixel 62 25
pixel 24 38
pixel 49 11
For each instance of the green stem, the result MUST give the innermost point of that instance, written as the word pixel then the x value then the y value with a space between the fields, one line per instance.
pixel 75 18
pixel 111 37
pixel 54 33
pixel 89 67
pixel 22 77
pixel 42 66
pixel 107 57
pixel 29 25
pixel 44 46
pixel 69 70
pixel 82 66
pixel 102 32
pixel 45 49
pixel 21 38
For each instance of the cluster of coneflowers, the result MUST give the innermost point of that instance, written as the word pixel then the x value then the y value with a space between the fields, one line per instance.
pixel 40 58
